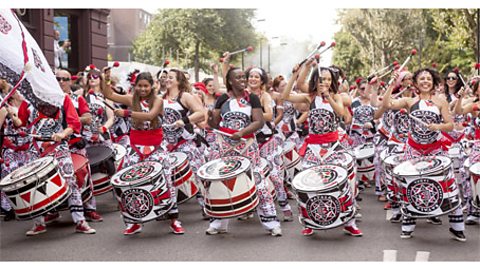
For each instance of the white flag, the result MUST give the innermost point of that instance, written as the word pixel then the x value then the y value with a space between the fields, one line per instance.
pixel 17 50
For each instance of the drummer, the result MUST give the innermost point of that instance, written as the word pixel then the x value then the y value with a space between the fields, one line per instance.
pixel 326 107
pixel 146 135
pixel 473 214
pixel 426 140
pixel 181 110
pixel 57 123
pixel 239 113
pixel 77 143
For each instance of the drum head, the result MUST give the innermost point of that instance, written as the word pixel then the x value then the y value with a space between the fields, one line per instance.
pixel 422 166
pixel 223 168
pixel 97 154
pixel 393 160
pixel 78 161
pixel 137 174
pixel 344 160
pixel 319 178
pixel 475 168
pixel 177 158
pixel 120 151
pixel 364 151
pixel 27 171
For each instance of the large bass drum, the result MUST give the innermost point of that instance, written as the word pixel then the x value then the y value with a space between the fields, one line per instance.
pixel 142 192
pixel 428 186
pixel 35 188
pixel 229 187
pixel 183 177
pixel 324 197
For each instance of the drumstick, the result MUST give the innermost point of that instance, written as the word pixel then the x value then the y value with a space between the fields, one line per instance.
pixel 404 111
pixel 226 134
pixel 108 105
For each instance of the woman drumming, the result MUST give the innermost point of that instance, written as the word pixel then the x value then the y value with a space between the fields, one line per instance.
pixel 326 107
pixel 426 140
pixel 146 135
pixel 239 113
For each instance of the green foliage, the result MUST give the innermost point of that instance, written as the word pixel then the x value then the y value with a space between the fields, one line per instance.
pixel 371 39
pixel 212 31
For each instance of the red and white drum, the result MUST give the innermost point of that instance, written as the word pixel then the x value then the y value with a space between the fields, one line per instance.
pixel 428 186
pixel 475 184
pixel 229 187
pixel 183 177
pixel 346 161
pixel 120 152
pixel 83 178
pixel 35 188
pixel 142 192
pixel 102 165
pixel 364 154
pixel 389 163
pixel 266 169
pixel 291 160
pixel 324 197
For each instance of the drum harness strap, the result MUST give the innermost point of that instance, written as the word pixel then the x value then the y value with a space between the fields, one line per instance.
pixel 248 143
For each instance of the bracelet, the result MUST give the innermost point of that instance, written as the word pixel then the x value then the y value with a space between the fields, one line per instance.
pixel 127 113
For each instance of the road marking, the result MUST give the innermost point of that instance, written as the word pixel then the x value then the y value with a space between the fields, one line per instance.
pixel 422 256
pixel 389 214
pixel 389 255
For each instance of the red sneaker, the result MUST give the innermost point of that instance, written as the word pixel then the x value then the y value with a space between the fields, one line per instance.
pixel 387 206
pixel 82 227
pixel 52 217
pixel 177 227
pixel 307 231
pixel 37 229
pixel 93 216
pixel 135 228
pixel 352 231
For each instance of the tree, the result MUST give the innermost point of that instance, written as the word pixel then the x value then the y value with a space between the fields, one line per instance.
pixel 196 34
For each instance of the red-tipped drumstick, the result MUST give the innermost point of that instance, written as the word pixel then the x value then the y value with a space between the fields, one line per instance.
pixel 412 53
pixel 404 111
pixel 226 134
pixel 322 44
pixel 249 49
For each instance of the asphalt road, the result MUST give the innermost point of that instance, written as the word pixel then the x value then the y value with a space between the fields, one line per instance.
pixel 245 241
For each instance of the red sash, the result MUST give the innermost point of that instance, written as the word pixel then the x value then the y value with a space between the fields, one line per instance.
pixel 425 149
pixel 146 137
pixel 318 139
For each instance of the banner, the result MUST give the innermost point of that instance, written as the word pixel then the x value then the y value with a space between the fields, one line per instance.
pixel 22 58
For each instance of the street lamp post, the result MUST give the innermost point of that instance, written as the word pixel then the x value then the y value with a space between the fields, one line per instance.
pixel 261 41
pixel 268 52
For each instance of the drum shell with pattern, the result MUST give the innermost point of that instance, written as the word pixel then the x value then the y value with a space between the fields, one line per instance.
pixel 427 187
pixel 142 192
pixel 291 160
pixel 455 154
pixel 183 177
pixel 475 184
pixel 35 188
pixel 389 162
pixel 228 187
pixel 265 169
pixel 102 166
pixel 324 197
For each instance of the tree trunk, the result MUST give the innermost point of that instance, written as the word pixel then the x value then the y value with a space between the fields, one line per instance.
pixel 196 63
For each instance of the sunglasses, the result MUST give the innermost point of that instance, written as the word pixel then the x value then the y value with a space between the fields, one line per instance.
pixel 62 79
pixel 362 88
pixel 452 78
pixel 93 76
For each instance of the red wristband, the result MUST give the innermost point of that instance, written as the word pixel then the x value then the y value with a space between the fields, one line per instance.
pixel 104 129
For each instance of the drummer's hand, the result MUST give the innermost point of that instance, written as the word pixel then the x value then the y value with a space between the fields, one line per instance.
pixel 236 136
pixel 102 129
pixel 57 137
pixel 367 125
pixel 433 127
pixel 179 124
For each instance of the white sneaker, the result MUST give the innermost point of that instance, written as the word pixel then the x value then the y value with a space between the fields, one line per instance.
pixel 277 231
pixel 212 231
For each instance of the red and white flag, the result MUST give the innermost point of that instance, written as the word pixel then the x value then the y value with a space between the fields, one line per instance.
pixel 22 60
